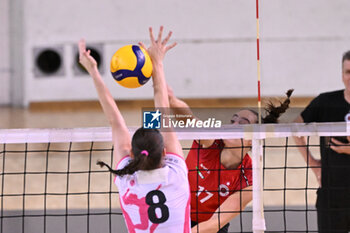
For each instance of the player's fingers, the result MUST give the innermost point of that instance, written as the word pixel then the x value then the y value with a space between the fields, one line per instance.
pixel 335 148
pixel 171 46
pixel 165 41
pixel 160 34
pixel 82 46
pixel 335 141
pixel 151 35
pixel 348 137
pixel 142 45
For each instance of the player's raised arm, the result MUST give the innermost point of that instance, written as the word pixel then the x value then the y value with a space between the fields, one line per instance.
pixel 180 107
pixel 311 161
pixel 120 132
pixel 157 51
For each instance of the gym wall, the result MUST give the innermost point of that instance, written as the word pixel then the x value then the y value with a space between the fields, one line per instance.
pixel 302 42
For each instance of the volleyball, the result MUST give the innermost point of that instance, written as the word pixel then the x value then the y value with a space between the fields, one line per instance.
pixel 131 66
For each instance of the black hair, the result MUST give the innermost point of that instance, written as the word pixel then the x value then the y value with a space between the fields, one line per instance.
pixel 147 146
pixel 274 112
pixel 346 56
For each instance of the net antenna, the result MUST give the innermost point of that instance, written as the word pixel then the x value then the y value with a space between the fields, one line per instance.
pixel 258 205
pixel 258 60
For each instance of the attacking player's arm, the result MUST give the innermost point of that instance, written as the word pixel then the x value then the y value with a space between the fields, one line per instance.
pixel 181 108
pixel 315 164
pixel 120 132
pixel 229 209
pixel 157 51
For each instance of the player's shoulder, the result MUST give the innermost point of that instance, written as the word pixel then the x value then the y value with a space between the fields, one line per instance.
pixel 174 159
pixel 247 161
pixel 327 99
pixel 216 143
pixel 331 95
pixel 176 163
pixel 123 162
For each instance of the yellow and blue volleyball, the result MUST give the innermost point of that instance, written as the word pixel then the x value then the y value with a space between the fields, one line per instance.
pixel 131 66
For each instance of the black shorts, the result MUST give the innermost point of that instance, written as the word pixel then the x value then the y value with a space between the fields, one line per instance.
pixel 333 211
pixel 224 229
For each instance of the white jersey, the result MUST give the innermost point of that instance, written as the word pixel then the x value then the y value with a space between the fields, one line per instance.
pixel 158 200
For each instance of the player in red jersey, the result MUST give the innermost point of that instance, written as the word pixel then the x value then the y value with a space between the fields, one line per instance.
pixel 214 181
pixel 220 171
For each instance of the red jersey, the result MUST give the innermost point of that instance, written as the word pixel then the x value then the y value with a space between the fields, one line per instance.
pixel 210 182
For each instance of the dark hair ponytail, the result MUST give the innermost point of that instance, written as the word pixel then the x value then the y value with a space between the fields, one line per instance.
pixel 147 147
pixel 273 112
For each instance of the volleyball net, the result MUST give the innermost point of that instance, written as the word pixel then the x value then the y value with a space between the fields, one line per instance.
pixel 49 180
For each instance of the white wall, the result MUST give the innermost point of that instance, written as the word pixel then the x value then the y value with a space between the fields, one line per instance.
pixel 303 45
pixel 4 54
pixel 302 42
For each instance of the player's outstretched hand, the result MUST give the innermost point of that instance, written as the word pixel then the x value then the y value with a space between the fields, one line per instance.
pixel 159 47
pixel 85 59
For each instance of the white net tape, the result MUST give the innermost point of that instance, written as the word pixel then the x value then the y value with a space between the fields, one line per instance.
pixel 226 132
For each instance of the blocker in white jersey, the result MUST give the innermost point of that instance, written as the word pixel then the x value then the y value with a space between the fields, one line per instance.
pixel 157 200
pixel 152 179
